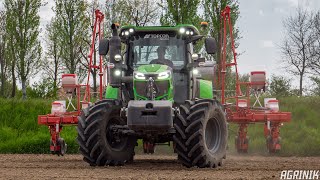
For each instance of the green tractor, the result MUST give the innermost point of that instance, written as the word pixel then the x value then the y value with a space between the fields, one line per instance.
pixel 158 91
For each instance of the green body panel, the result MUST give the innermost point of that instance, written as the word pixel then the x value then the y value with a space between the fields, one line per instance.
pixel 154 69
pixel 205 89
pixel 112 93
pixel 161 28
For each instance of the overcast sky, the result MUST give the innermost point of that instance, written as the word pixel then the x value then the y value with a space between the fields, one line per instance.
pixel 260 25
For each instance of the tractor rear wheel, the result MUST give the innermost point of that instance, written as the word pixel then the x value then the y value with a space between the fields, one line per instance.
pixel 201 133
pixel 98 143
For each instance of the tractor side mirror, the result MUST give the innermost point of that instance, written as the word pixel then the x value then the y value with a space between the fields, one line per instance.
pixel 103 47
pixel 210 45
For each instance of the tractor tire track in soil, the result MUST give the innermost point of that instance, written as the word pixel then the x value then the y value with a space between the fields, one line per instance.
pixel 33 166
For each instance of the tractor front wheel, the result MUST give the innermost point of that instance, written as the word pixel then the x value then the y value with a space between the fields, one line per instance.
pixel 98 142
pixel 201 138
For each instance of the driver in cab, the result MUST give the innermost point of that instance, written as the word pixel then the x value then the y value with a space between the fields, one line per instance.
pixel 161 57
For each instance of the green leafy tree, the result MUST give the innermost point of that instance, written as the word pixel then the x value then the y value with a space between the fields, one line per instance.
pixel 23 22
pixel 280 86
pixel 181 12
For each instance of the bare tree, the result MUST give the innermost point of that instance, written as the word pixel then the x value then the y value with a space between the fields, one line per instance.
pixel 297 47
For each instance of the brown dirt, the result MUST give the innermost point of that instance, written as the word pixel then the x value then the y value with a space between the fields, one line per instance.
pixel 17 166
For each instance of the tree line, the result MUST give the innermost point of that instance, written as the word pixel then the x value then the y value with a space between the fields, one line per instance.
pixel 25 55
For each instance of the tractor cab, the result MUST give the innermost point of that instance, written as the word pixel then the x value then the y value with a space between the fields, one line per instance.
pixel 159 55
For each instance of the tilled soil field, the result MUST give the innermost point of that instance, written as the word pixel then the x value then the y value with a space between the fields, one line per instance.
pixel 25 166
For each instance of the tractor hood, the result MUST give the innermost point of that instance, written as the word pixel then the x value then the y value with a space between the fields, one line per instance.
pixel 153 68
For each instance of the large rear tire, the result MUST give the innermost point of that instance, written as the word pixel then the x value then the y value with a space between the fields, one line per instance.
pixel 98 145
pixel 201 134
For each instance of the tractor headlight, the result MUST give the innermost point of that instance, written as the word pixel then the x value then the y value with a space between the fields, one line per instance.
pixel 164 75
pixel 127 32
pixel 139 76
pixel 186 31
pixel 182 30
pixel 117 57
pixel 117 72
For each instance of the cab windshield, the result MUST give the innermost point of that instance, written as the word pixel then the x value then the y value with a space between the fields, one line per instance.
pixel 158 49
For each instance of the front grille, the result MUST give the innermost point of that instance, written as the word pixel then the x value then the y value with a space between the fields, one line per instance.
pixel 161 87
